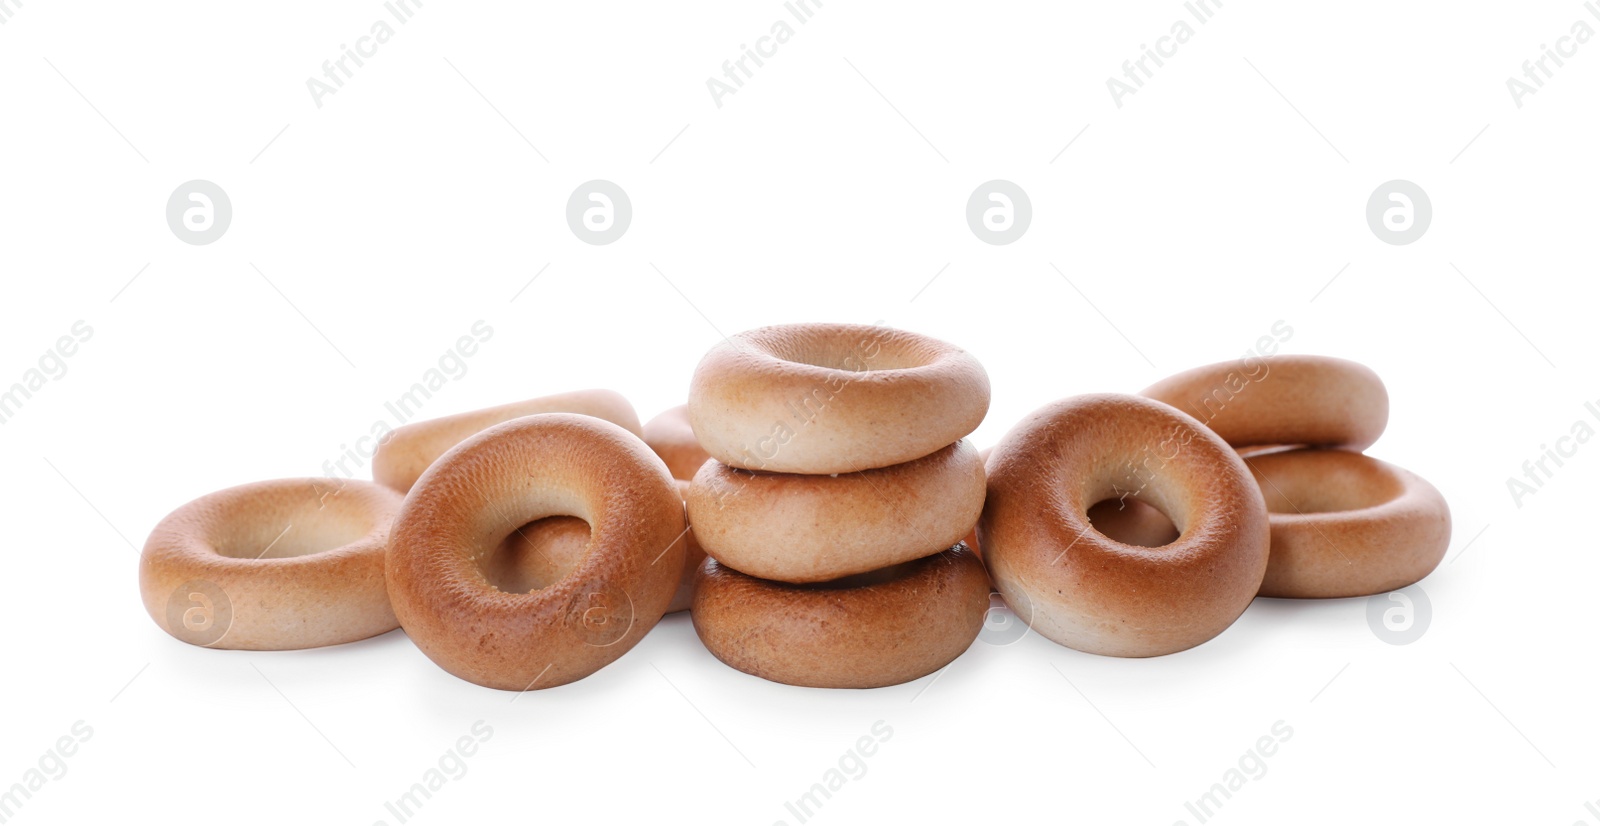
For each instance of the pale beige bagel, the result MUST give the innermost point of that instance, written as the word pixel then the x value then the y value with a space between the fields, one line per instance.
pixel 1089 592
pixel 1347 525
pixel 282 564
pixel 541 552
pixel 521 471
pixel 870 630
pixel 799 528
pixel 833 398
pixel 671 437
pixel 1282 400
pixel 405 453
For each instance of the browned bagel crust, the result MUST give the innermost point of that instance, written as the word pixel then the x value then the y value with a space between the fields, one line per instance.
pixel 833 398
pixel 1089 592
pixel 671 437
pixel 1283 400
pixel 274 565
pixel 1347 525
pixel 469 501
pixel 800 528
pixel 537 554
pixel 542 552
pixel 906 622
pixel 405 453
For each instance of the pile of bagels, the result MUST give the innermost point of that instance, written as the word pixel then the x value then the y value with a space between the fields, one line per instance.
pixel 817 508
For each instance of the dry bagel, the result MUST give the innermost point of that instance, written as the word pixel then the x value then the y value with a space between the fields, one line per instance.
pixel 1284 400
pixel 803 528
pixel 468 502
pixel 877 629
pixel 833 398
pixel 541 552
pixel 671 437
pixel 1086 591
pixel 282 564
pixel 1347 525
pixel 1128 520
pixel 408 451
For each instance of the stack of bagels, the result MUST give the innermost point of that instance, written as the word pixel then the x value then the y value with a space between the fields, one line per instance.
pixel 827 474
pixel 840 487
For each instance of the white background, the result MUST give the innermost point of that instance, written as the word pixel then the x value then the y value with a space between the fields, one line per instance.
pixel 374 230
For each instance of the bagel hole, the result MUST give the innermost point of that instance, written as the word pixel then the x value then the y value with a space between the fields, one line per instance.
pixel 537 555
pixel 1320 481
pixel 863 354
pixel 1133 521
pixel 307 534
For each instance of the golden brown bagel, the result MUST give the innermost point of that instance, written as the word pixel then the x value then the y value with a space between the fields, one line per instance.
pixel 1347 525
pixel 1089 592
pixel 1132 522
pixel 800 528
pixel 541 552
pixel 671 437
pixel 269 566
pixel 1284 400
pixel 833 398
pixel 1127 520
pixel 468 502
pixel 870 630
pixel 405 453
pixel 537 555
